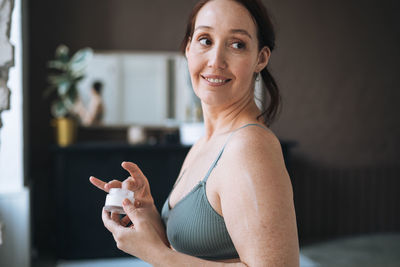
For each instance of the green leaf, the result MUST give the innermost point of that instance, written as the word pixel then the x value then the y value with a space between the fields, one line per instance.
pixel 69 104
pixel 58 109
pixel 63 88
pixel 58 65
pixel 72 93
pixel 80 60
pixel 67 73
pixel 62 53
pixel 57 79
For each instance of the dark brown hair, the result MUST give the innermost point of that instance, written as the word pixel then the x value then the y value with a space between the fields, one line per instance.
pixel 266 37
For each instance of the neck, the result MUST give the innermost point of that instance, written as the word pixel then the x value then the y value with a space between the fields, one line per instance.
pixel 220 120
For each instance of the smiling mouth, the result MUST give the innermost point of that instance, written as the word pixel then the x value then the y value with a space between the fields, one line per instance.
pixel 215 81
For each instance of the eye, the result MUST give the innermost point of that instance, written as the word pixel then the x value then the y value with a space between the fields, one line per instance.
pixel 238 45
pixel 205 41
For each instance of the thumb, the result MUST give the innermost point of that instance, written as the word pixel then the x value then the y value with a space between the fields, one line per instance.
pixel 133 213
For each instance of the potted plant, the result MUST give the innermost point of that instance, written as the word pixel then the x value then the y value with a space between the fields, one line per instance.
pixel 65 73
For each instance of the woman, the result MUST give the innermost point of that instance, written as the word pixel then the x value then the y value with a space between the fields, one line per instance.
pixel 93 114
pixel 233 201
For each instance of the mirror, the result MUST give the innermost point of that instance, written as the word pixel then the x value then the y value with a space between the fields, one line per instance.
pixel 141 88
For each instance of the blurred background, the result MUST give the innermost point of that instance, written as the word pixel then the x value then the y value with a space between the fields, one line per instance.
pixel 336 63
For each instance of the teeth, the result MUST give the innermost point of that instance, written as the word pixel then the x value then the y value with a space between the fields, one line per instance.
pixel 215 80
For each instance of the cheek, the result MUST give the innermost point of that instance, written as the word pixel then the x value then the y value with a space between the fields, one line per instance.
pixel 245 70
pixel 193 65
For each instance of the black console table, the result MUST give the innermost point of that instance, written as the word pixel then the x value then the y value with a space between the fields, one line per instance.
pixel 80 231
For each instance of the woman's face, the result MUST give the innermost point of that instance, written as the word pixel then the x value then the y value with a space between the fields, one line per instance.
pixel 223 53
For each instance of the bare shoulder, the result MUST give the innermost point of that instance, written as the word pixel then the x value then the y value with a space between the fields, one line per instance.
pixel 254 143
pixel 253 158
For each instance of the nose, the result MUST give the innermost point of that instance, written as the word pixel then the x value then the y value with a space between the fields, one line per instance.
pixel 217 58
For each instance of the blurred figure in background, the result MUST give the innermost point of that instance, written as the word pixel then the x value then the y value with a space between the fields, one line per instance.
pixel 93 114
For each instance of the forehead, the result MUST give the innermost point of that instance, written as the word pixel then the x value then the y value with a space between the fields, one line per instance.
pixel 225 15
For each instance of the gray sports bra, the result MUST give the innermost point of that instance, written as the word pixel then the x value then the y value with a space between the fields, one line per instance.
pixel 194 227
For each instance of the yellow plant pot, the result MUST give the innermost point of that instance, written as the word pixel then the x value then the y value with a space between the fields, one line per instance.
pixel 65 131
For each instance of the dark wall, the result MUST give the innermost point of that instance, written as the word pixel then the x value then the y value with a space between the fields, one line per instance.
pixel 335 61
pixel 103 25
pixel 337 65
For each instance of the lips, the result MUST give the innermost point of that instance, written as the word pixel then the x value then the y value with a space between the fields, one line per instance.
pixel 215 80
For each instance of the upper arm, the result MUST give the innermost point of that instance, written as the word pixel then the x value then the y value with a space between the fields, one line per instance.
pixel 257 201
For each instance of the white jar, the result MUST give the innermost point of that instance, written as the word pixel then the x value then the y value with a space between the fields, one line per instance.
pixel 115 197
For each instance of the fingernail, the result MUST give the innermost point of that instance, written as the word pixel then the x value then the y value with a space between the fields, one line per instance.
pixel 126 202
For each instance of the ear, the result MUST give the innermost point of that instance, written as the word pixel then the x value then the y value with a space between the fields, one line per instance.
pixel 188 46
pixel 263 58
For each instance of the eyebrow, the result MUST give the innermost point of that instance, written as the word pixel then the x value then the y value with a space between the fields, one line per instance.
pixel 240 31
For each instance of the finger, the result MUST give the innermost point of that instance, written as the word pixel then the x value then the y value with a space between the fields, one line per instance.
pixel 129 209
pixel 130 184
pixel 98 183
pixel 133 213
pixel 115 217
pixel 136 173
pixel 109 223
pixel 113 184
pixel 137 203
pixel 125 220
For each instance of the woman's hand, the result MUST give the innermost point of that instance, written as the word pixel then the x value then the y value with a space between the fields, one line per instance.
pixel 139 184
pixel 141 239
pixel 136 182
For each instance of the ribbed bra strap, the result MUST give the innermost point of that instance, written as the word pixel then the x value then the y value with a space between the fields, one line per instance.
pixel 223 148
pixel 215 161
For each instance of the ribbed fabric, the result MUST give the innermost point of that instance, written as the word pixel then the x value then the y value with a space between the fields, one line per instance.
pixel 194 227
